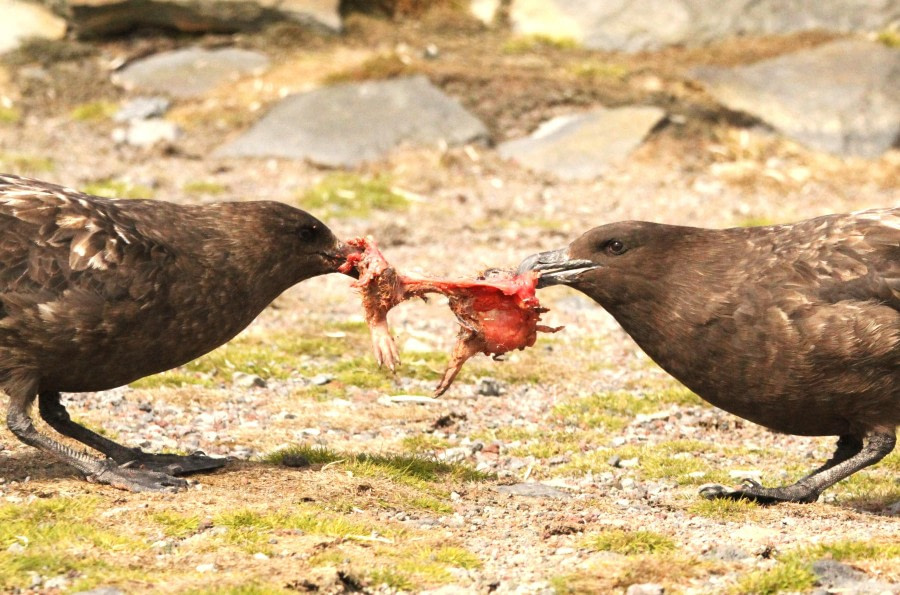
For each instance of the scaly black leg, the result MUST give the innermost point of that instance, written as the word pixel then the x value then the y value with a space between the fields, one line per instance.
pixel 847 447
pixel 96 470
pixel 53 412
pixel 849 457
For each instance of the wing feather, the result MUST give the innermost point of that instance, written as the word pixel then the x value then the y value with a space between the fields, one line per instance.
pixel 56 241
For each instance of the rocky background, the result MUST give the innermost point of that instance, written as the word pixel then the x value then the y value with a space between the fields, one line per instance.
pixel 462 135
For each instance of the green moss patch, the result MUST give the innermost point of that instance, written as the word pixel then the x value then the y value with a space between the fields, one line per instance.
pixel 176 525
pixel 615 410
pixel 57 537
pixel 349 195
pixel 110 188
pixel 425 443
pixel 629 542
pixel 204 187
pixel 523 44
pixel 596 70
pixel 372 553
pixel 679 460
pixel 791 576
pixel 379 67
pixel 9 115
pixel 277 356
pixel 793 572
pixel 890 37
pixel 724 509
pixel 19 163
pixel 94 111
pixel 404 468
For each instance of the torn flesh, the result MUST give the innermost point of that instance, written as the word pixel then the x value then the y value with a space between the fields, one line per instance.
pixel 497 312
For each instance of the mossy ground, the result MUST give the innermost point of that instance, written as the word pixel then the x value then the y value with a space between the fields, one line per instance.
pixel 113 188
pixel 350 195
pixel 145 543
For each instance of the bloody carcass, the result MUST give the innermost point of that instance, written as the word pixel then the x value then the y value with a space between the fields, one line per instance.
pixel 497 312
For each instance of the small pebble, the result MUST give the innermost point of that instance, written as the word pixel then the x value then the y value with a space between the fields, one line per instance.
pixel 489 387
pixel 431 51
pixel 245 380
pixel 321 379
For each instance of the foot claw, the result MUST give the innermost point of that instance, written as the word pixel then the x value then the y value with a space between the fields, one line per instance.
pixel 136 480
pixel 713 491
pixel 171 464
pixel 755 492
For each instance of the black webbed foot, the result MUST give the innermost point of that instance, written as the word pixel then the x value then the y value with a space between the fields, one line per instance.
pixel 752 490
pixel 851 455
pixel 172 464
pixel 135 480
pixel 58 418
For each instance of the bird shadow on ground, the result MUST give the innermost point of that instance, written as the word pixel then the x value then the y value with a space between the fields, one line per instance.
pixel 883 504
pixel 34 466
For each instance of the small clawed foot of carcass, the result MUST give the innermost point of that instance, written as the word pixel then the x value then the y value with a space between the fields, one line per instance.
pixel 385 348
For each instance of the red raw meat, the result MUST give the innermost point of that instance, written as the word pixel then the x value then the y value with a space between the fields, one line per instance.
pixel 497 312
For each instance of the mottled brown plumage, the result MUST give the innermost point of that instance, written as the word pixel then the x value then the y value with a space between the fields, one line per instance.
pixel 795 327
pixel 95 293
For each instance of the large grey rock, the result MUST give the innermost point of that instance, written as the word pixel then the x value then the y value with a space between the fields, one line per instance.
pixel 837 577
pixel 345 125
pixel 841 97
pixel 106 17
pixel 634 25
pixel 583 146
pixel 831 573
pixel 189 72
pixel 22 20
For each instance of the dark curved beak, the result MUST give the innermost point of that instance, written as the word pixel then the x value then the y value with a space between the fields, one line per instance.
pixel 555 267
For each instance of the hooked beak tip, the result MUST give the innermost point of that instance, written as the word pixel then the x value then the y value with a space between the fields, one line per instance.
pixel 555 267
